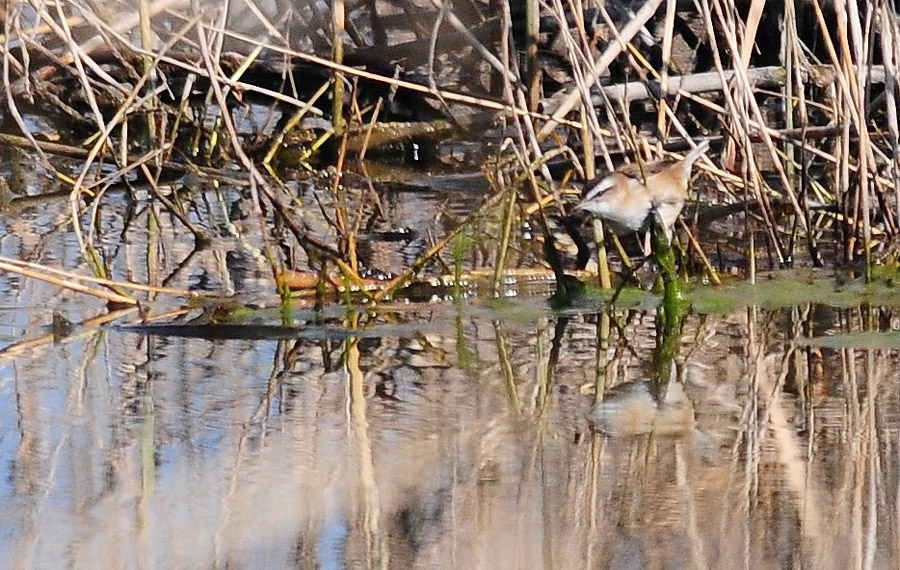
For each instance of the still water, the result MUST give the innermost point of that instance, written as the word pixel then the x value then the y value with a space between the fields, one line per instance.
pixel 468 434
pixel 468 445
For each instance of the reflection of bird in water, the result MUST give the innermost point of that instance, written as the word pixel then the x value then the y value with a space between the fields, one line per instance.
pixel 626 198
pixel 634 408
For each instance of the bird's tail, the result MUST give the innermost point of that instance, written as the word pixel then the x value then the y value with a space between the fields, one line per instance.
pixel 691 157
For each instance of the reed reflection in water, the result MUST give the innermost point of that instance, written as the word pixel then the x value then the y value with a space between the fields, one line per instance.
pixel 469 446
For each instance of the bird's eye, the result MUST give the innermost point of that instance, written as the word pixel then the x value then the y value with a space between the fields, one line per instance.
pixel 598 188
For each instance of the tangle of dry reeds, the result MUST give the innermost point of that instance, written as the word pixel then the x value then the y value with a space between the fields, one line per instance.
pixel 804 130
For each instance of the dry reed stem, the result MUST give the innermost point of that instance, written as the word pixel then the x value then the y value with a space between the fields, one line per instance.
pixel 74 277
pixel 580 53
pixel 695 245
pixel 612 52
pixel 862 56
pixel 69 284
pixel 748 38
pixel 747 90
pixel 394 82
pixel 85 245
pixel 533 73
pixel 737 103
pixel 78 57
pixel 337 56
pixel 668 33
pixel 346 235
pixel 890 44
pixel 11 104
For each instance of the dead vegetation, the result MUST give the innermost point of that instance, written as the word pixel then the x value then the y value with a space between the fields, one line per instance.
pixel 170 96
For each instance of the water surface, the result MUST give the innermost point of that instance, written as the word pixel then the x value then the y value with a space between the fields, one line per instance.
pixel 459 434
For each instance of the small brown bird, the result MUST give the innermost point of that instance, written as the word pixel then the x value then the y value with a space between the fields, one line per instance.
pixel 625 199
